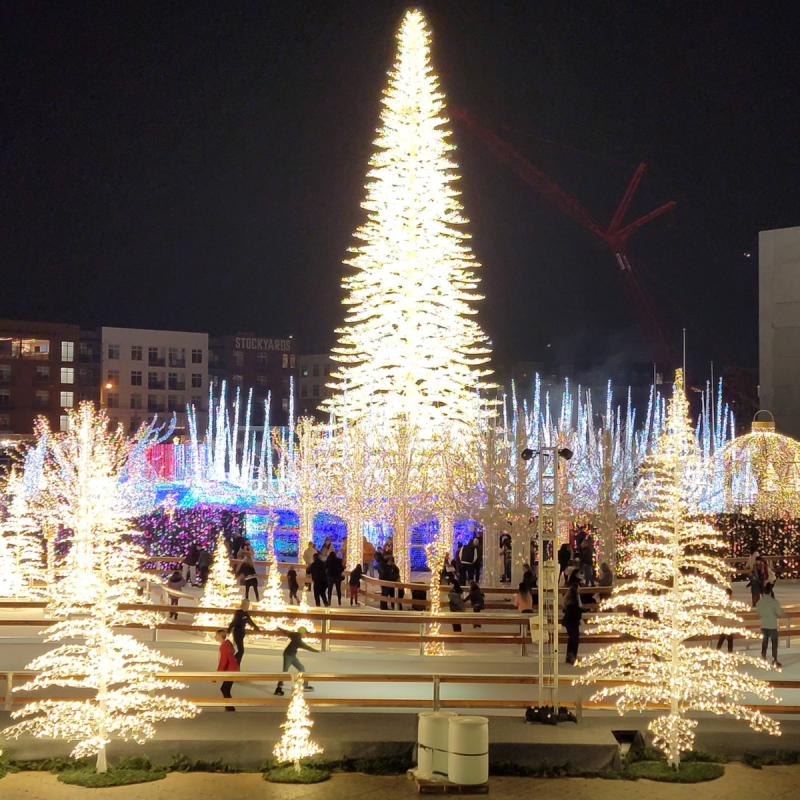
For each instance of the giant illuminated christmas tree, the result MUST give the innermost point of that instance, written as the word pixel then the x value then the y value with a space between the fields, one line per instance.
pixel 678 593
pixel 410 347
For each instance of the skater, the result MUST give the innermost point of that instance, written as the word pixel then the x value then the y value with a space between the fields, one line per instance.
pixel 573 613
pixel 247 574
pixel 355 584
pixel 334 574
pixel 294 586
pixel 319 579
pixel 505 549
pixel 204 561
pixel 369 558
pixel 189 565
pixel 769 609
pixel 241 618
pixel 175 583
pixel 290 658
pixel 227 663
pixel 723 637
pixel 564 558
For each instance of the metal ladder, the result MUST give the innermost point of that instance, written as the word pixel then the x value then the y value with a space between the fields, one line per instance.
pixel 548 577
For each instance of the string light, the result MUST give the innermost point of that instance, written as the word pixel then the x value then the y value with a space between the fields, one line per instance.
pixel 296 743
pixel 221 589
pixel 677 592
pixel 100 572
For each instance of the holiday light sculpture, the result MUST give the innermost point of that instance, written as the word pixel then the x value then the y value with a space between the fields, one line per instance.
pixel 409 347
pixel 221 589
pixel 101 573
pixel 296 743
pixel 762 472
pixel 22 574
pixel 678 592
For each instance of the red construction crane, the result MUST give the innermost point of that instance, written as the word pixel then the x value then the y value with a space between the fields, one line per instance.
pixel 616 236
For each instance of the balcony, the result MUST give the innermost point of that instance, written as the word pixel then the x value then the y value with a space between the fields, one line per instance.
pixel 155 384
pixel 42 380
pixel 177 386
pixel 156 408
pixel 180 363
pixel 155 361
pixel 90 357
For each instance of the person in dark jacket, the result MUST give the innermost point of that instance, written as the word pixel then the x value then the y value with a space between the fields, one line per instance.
pixel 564 558
pixel 456 600
pixel 247 574
pixel 587 561
pixel 476 598
pixel 393 574
pixel 204 561
pixel 189 565
pixel 294 586
pixel 573 614
pixel 355 583
pixel 319 579
pixel 334 574
pixel 241 619
pixel 478 557
pixel 505 549
pixel 468 555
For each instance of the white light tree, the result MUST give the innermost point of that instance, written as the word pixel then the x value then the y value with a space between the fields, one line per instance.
pixel 296 743
pixel 119 675
pixel 678 593
pixel 22 573
pixel 410 348
pixel 221 590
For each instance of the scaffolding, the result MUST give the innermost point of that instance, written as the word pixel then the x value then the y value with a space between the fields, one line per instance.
pixel 548 577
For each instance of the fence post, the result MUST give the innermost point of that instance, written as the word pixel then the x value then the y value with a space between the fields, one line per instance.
pixel 324 634
pixel 523 650
pixel 421 640
pixel 579 702
pixel 436 693
pixel 9 688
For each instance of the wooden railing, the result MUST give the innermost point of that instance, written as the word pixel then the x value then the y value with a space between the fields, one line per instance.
pixel 381 699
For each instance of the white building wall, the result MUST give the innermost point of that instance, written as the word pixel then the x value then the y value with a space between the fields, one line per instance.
pixel 779 326
pixel 149 372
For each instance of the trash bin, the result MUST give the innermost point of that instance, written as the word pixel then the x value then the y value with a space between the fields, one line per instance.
pixel 432 737
pixel 468 759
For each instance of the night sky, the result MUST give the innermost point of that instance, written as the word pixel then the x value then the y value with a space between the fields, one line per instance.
pixel 200 166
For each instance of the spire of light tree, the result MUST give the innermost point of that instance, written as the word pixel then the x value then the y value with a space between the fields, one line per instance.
pixel 410 346
pixel 679 592
pixel 221 589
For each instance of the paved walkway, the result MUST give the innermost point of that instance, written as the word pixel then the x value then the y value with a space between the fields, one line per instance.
pixel 738 782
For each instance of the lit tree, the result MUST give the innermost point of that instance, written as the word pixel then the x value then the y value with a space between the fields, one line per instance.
pixel 296 744
pixel 101 573
pixel 221 590
pixel 409 347
pixel 678 592
pixel 21 544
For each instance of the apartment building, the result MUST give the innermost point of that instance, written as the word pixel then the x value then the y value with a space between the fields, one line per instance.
pixel 315 372
pixel 264 364
pixel 147 373
pixel 37 375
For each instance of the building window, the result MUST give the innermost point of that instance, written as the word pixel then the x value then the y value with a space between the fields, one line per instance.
pixel 263 382
pixel 238 379
pixel 215 381
pixel 315 390
pixel 112 400
pixel 285 404
pixel 285 381
pixel 67 351
pixel 315 371
pixel 113 352
pixel 42 398
pixel 136 400
pixel 238 358
pixel 292 361
pixel 5 374
pixel 67 400
pixel 285 361
pixel 177 357
pixel 262 359
pixel 155 381
pixel 174 402
pixel 63 422
pixel 113 377
pixel 197 380
pixel 5 423
pixel 153 403
pixel 304 370
pixel 67 375
pixel 176 381
pixel 136 378
pixel 42 374
pixel 196 401
pixel 304 391
pixel 197 356
pixel 155 357
pixel 136 352
pixel 5 398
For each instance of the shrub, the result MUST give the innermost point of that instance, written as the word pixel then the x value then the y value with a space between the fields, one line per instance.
pixel 691 772
pixel 289 774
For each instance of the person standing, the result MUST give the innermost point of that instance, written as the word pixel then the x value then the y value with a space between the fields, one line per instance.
pixel 204 561
pixel 227 663
pixel 175 583
pixel 290 658
pixel 308 554
pixel 467 557
pixel 241 618
pixel 247 574
pixel 573 614
pixel 334 573
pixel 564 558
pixel 319 579
pixel 769 609
pixel 478 558
pixel 189 566
pixel 448 573
pixel 246 551
pixel 723 637
pixel 294 586
pixel 355 584
pixel 456 600
pixel 587 561
pixel 326 549
pixel 368 558
pixel 505 550
pixel 754 584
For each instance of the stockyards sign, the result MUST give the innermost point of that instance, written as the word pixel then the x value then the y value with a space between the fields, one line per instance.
pixel 258 343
